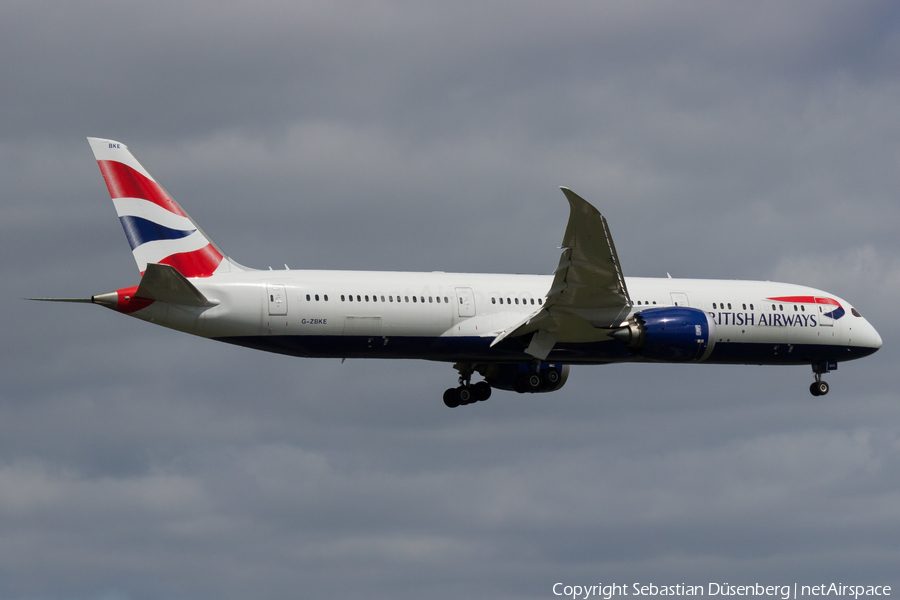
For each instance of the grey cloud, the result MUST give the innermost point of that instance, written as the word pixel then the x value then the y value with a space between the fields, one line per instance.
pixel 753 141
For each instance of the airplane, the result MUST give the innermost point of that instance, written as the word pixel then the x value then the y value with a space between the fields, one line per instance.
pixel 519 332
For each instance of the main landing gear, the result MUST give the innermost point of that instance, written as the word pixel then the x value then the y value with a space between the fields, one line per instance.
pixel 467 392
pixel 535 381
pixel 819 387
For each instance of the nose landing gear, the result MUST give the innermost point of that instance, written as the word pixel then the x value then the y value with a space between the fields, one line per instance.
pixel 819 387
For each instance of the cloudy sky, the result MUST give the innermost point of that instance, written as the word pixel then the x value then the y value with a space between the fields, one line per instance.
pixel 754 140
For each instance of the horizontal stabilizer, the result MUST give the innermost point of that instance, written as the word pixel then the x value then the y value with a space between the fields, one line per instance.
pixel 165 284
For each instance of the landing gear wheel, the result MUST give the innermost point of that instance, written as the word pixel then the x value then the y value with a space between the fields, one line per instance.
pixel 451 399
pixel 464 393
pixel 551 377
pixel 818 388
pixel 520 385
pixel 481 391
pixel 533 382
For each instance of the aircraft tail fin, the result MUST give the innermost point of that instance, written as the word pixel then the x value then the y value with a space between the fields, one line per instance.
pixel 157 228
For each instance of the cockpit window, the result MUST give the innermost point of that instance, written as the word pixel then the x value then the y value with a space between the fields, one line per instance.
pixel 855 312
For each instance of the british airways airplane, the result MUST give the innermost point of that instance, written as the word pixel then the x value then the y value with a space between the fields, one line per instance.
pixel 519 332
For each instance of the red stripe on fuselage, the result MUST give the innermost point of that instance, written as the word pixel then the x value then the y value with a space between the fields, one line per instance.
pixel 124 182
pixel 807 300
pixel 199 263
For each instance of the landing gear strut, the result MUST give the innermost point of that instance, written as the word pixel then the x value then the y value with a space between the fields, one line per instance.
pixel 467 392
pixel 819 387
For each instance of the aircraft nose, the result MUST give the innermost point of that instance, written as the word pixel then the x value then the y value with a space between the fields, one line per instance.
pixel 871 338
pixel 876 339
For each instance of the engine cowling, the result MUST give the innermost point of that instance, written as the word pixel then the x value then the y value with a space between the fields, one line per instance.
pixel 670 334
pixel 523 378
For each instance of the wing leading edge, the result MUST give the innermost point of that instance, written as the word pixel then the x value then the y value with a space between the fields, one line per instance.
pixel 588 298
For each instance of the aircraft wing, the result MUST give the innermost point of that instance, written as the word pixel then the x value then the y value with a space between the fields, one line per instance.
pixel 588 298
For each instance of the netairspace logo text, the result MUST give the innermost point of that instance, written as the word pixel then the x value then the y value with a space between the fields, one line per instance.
pixel 783 592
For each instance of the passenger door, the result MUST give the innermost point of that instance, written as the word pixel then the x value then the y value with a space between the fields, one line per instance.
pixel 466 302
pixel 825 306
pixel 277 299
pixel 679 299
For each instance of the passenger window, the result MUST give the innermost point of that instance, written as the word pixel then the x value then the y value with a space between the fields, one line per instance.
pixel 532 300
pixel 422 298
pixel 382 298
pixel 729 306
pixel 438 298
pixel 781 307
pixel 367 298
pixel 744 306
pixel 751 307
pixel 307 297
pixel 517 300
pixel 446 300
pixel 406 298
pixel 358 298
pixel 429 300
pixel 326 297
pixel 493 301
pixel 414 298
pixel 802 308
pixel 540 302
pixel 342 298
pixel 795 308
pixel 508 301
pixel 351 298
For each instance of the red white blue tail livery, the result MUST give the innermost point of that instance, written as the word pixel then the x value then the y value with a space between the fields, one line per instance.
pixel 519 332
pixel 158 229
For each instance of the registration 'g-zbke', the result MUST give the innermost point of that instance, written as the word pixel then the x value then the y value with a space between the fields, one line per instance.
pixel 519 332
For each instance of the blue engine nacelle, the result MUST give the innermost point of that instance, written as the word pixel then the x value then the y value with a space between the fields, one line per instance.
pixel 523 378
pixel 669 334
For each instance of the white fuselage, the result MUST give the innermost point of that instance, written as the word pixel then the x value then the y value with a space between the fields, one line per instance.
pixel 455 316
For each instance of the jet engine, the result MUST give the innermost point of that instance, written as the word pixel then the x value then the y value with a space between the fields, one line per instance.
pixel 669 334
pixel 523 378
